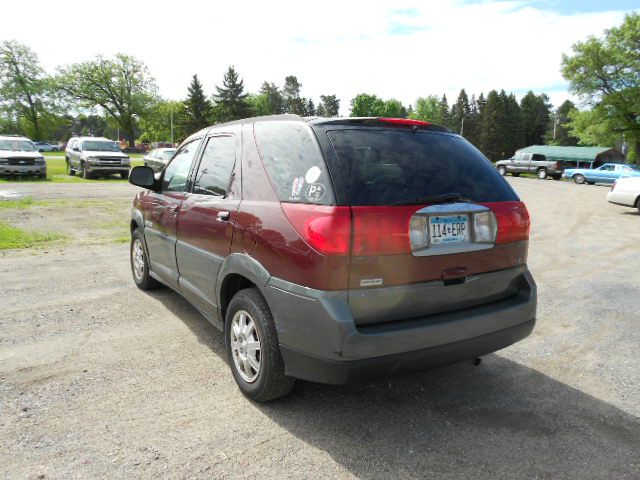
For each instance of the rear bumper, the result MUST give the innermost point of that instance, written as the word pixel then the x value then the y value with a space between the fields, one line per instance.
pixel 301 365
pixel 320 340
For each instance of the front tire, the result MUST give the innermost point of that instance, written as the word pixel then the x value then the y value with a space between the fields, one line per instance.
pixel 579 179
pixel 253 351
pixel 140 263
pixel 84 172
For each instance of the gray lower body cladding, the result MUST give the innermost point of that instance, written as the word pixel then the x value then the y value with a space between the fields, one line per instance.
pixel 321 341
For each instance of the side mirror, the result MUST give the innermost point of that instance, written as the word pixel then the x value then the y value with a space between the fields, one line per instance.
pixel 143 177
pixel 75 149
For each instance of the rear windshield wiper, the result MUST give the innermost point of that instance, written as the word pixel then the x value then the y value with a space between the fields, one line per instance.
pixel 444 198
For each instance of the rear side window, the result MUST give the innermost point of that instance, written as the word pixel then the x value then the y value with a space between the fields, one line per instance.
pixel 381 167
pixel 294 162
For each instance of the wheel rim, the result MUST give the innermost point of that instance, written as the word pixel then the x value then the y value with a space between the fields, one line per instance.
pixel 502 170
pixel 137 257
pixel 245 346
pixel 542 174
pixel 579 179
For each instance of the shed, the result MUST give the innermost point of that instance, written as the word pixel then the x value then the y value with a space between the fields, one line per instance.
pixel 590 157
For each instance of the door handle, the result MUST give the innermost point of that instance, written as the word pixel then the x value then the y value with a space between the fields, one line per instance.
pixel 223 216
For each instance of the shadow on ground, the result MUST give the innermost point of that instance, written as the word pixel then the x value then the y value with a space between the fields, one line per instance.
pixel 498 420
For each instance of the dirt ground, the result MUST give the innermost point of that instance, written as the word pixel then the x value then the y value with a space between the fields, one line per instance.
pixel 99 379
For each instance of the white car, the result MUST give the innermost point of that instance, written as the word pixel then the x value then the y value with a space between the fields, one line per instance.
pixel 626 192
pixel 19 156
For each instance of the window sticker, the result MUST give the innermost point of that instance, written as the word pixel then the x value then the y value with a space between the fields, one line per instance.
pixel 313 174
pixel 296 188
pixel 315 192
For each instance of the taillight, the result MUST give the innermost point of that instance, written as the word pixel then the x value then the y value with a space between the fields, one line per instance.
pixel 513 221
pixel 381 230
pixel 556 166
pixel 324 228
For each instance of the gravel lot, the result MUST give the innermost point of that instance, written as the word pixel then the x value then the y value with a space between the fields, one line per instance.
pixel 98 379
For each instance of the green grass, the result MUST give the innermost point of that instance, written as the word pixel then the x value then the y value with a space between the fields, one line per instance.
pixel 57 171
pixel 19 204
pixel 12 237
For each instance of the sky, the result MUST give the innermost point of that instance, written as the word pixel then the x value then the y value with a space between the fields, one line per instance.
pixel 400 49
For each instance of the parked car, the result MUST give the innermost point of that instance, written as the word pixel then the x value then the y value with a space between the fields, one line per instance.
pixel 46 147
pixel 536 163
pixel 625 192
pixel 337 249
pixel 157 159
pixel 607 173
pixel 91 156
pixel 19 156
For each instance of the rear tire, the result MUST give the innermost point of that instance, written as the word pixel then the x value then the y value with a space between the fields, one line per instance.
pixel 515 174
pixel 542 173
pixel 502 170
pixel 249 321
pixel 557 177
pixel 579 179
pixel 140 263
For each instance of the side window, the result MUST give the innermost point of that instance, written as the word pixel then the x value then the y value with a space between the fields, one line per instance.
pixel 177 172
pixel 518 156
pixel 216 166
pixel 538 157
pixel 608 168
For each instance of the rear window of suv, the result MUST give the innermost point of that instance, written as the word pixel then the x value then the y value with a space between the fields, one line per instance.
pixel 294 162
pixel 381 167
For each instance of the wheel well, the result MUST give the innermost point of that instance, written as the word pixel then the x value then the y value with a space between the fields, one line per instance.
pixel 637 202
pixel 134 225
pixel 541 168
pixel 231 285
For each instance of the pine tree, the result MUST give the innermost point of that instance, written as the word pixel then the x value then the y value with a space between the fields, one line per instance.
pixel 561 118
pixel 330 105
pixel 320 111
pixel 196 112
pixel 492 120
pixel 273 97
pixel 231 101
pixel 310 108
pixel 293 103
pixel 536 112
pixel 460 112
pixel 443 112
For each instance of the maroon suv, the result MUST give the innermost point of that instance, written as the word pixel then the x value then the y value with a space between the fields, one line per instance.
pixel 337 249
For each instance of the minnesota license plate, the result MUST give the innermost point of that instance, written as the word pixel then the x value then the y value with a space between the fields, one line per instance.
pixel 448 229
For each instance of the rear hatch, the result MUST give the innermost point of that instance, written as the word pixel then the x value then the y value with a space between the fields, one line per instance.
pixel 434 227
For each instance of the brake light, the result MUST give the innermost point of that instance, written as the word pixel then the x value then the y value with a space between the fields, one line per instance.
pixel 405 121
pixel 324 228
pixel 513 221
pixel 381 230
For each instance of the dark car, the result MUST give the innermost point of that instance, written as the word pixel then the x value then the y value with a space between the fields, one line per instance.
pixel 524 162
pixel 338 249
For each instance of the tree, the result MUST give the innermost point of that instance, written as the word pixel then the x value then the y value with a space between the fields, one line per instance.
pixel 293 102
pixel 330 105
pixel 394 109
pixel 366 105
pixel 274 99
pixel 605 74
pixel 559 132
pixel 196 111
pixel 25 90
pixel 460 113
pixel 536 113
pixel 156 124
pixel 491 136
pixel 231 101
pixel 310 108
pixel 428 110
pixel 591 129
pixel 122 86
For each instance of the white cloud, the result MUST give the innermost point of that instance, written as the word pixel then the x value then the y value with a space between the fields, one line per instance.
pixel 401 49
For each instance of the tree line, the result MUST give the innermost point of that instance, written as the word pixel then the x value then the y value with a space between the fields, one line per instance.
pixel 105 95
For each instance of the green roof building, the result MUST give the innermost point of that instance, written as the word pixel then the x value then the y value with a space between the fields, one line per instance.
pixel 591 157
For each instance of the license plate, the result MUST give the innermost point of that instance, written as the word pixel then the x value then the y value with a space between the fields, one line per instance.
pixel 448 229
